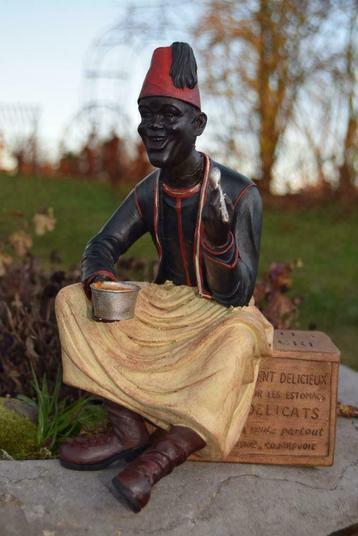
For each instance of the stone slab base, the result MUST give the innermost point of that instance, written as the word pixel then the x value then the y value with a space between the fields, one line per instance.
pixel 40 498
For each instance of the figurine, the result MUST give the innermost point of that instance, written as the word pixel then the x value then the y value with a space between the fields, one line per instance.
pixel 188 361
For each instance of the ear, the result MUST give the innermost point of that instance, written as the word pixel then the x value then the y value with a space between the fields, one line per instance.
pixel 200 121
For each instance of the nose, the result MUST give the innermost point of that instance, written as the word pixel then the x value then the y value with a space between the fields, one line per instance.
pixel 157 121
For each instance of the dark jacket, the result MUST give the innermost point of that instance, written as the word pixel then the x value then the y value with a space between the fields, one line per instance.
pixel 227 274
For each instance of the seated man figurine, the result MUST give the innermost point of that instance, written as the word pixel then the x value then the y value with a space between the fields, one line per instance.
pixel 188 360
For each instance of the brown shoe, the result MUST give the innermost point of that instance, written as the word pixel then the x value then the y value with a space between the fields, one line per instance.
pixel 127 440
pixel 135 481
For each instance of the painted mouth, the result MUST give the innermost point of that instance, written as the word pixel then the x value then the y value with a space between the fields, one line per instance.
pixel 156 143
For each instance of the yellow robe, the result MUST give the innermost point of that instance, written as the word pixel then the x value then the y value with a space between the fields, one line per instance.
pixel 182 360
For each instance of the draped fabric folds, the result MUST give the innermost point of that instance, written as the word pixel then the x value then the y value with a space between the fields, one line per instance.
pixel 182 359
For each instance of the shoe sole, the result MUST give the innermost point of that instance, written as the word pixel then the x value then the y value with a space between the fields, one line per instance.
pixel 127 455
pixel 122 495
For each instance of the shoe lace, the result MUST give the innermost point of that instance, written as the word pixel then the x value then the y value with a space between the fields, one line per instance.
pixel 100 438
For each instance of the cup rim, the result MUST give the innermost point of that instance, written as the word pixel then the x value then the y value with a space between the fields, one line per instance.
pixel 131 287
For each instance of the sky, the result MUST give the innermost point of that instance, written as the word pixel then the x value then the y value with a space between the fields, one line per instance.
pixel 43 48
pixel 47 46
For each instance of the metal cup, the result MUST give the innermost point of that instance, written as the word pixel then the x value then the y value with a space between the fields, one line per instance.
pixel 113 300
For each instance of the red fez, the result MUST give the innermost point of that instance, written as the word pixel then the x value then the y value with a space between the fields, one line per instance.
pixel 158 82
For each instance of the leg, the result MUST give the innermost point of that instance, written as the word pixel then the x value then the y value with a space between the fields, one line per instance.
pixel 128 438
pixel 166 451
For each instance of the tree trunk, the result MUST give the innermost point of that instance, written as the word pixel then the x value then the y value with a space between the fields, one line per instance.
pixel 346 170
pixel 266 175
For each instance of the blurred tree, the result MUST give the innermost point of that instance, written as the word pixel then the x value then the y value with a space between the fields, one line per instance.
pixel 258 55
pixel 114 159
pixel 329 100
pixel 68 164
pixel 89 156
pixel 348 169
pixel 140 165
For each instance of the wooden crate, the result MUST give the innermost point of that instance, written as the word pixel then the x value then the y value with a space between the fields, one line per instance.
pixel 292 419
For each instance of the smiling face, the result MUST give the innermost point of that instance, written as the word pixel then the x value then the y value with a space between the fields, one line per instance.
pixel 169 128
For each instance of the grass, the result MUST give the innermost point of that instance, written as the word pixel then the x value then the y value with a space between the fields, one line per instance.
pixel 80 209
pixel 58 418
pixel 323 237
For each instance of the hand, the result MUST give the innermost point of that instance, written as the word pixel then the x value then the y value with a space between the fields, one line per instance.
pixel 101 278
pixel 87 284
pixel 218 213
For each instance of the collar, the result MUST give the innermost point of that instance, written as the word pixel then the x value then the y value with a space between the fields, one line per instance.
pixel 181 192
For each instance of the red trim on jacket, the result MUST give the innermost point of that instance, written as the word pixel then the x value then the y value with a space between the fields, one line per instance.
pixel 136 200
pixel 156 216
pixel 243 192
pixel 227 265
pixel 219 250
pixel 182 193
pixel 198 230
pixel 183 253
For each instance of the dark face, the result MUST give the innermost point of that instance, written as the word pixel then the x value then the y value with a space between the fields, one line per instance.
pixel 169 128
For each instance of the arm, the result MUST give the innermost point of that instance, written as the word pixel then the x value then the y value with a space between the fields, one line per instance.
pixel 231 269
pixel 116 236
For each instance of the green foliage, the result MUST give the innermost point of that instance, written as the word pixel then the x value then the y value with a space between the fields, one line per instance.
pixel 73 203
pixel 60 418
pixel 17 434
pixel 323 236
